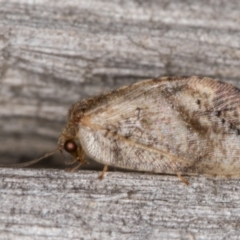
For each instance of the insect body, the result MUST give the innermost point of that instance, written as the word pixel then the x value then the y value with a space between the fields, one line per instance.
pixel 186 125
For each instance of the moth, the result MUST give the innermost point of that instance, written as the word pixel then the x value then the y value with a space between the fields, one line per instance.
pixel 170 125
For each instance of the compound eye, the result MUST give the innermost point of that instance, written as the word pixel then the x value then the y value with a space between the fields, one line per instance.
pixel 70 146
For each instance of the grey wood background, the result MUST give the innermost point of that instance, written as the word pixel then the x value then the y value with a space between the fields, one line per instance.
pixel 54 53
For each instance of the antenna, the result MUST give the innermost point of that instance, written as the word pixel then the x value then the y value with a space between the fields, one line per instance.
pixel 30 162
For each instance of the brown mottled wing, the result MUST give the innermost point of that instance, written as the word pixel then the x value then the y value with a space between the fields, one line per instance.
pixel 186 125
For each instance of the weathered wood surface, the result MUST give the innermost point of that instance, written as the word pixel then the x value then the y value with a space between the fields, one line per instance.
pixel 53 53
pixel 53 204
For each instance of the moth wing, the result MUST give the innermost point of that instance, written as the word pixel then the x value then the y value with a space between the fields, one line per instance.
pixel 187 125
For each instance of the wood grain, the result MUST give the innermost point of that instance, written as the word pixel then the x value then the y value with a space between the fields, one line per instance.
pixel 53 204
pixel 54 53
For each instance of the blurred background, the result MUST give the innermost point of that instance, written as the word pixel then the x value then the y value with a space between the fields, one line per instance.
pixel 55 53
